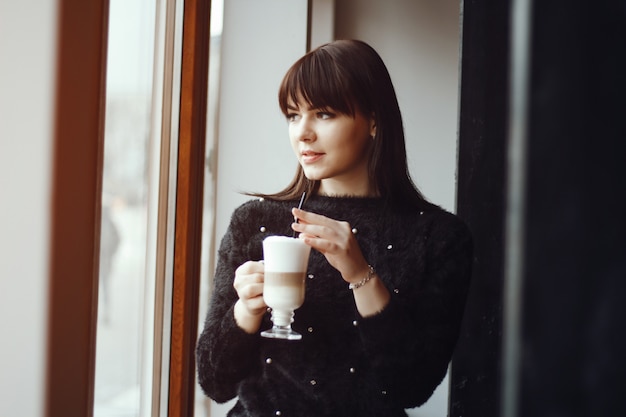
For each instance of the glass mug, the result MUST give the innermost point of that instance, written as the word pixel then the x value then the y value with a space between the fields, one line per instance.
pixel 286 260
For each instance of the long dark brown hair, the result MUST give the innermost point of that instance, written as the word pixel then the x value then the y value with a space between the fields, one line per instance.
pixel 349 76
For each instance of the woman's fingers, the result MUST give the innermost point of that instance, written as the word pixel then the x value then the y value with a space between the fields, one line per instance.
pixel 312 218
pixel 250 290
pixel 320 226
pixel 244 280
pixel 333 238
pixel 250 267
pixel 313 230
pixel 248 283
pixel 320 244
pixel 254 297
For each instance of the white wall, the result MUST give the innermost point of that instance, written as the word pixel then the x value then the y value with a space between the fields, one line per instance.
pixel 27 53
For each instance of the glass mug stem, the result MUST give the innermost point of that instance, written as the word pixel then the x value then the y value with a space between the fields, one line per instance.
pixel 281 328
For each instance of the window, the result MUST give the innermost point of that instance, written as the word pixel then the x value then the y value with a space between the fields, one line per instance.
pixel 130 188
pixel 152 187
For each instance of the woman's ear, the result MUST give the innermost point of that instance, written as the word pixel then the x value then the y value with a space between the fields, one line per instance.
pixel 373 125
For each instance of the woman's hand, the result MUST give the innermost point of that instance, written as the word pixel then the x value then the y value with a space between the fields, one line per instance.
pixel 335 240
pixel 250 307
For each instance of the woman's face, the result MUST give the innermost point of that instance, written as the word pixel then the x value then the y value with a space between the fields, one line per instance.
pixel 332 148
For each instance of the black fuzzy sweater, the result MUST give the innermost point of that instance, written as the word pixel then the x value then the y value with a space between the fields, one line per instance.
pixel 345 365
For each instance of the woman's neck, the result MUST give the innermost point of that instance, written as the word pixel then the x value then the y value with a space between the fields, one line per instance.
pixel 332 188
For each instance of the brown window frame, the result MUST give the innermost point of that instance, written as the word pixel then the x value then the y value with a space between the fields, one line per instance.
pixel 189 206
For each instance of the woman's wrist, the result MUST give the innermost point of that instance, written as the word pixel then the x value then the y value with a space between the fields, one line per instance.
pixel 370 294
pixel 357 274
pixel 355 285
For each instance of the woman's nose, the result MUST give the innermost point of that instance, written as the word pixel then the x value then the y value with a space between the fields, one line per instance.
pixel 305 131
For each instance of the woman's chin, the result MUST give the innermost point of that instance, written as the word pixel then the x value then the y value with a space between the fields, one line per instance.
pixel 312 176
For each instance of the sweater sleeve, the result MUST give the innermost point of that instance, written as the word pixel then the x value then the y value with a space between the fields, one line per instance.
pixel 224 351
pixel 410 343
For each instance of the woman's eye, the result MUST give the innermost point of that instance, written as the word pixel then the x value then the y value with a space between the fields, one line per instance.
pixel 292 117
pixel 325 115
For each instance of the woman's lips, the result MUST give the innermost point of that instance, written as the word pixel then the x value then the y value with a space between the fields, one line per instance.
pixel 309 157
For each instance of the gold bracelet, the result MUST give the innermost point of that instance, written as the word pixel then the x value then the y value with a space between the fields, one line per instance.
pixel 364 281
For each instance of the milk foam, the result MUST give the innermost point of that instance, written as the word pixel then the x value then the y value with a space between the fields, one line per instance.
pixel 285 254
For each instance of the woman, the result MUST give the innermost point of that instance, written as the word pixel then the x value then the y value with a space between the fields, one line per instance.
pixel 388 274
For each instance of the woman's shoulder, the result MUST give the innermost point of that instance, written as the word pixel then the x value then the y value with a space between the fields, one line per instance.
pixel 255 219
pixel 260 205
pixel 262 211
pixel 445 217
pixel 445 228
pixel 439 221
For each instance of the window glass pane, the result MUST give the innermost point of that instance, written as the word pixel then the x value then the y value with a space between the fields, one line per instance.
pixel 126 303
pixel 203 403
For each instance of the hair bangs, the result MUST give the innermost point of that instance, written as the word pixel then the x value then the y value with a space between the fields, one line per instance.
pixel 318 82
